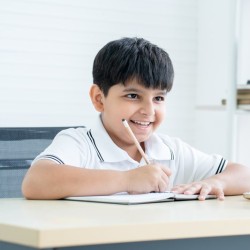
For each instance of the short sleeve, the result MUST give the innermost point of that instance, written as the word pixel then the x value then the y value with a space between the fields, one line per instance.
pixel 68 148
pixel 193 165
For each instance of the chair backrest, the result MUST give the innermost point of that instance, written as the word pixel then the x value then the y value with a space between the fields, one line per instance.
pixel 18 147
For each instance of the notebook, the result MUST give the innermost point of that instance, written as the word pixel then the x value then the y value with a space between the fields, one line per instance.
pixel 132 199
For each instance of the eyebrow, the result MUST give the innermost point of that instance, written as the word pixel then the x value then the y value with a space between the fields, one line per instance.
pixel 128 90
pixel 132 90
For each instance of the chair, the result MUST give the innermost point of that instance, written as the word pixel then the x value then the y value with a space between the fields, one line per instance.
pixel 18 147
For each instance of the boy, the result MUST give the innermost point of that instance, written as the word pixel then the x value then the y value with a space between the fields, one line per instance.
pixel 131 80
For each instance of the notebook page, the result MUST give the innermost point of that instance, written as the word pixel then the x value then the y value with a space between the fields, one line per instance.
pixel 124 198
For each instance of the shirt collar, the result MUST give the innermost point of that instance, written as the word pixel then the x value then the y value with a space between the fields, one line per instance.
pixel 108 150
pixel 155 148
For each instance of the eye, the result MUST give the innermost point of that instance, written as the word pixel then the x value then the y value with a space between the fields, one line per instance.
pixel 159 98
pixel 132 96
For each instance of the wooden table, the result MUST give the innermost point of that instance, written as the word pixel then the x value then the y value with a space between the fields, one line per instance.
pixel 61 223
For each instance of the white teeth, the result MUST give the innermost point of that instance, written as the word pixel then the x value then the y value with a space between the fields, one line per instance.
pixel 142 123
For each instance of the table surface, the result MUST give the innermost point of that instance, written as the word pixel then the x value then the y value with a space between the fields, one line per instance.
pixel 60 223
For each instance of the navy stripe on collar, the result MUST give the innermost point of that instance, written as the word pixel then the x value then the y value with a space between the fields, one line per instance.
pixel 94 144
pixel 172 153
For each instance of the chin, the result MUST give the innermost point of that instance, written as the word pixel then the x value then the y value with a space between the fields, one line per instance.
pixel 142 138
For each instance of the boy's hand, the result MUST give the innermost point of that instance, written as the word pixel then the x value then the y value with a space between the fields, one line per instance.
pixel 146 179
pixel 203 188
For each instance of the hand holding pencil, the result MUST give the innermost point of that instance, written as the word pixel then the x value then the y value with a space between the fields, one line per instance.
pixel 149 178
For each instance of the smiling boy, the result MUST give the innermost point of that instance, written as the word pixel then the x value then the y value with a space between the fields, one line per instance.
pixel 131 80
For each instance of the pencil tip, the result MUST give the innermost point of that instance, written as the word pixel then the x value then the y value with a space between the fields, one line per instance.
pixel 123 120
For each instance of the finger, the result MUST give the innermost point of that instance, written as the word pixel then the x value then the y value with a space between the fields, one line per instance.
pixel 193 189
pixel 165 179
pixel 167 171
pixel 155 188
pixel 179 189
pixel 205 190
pixel 219 193
pixel 163 185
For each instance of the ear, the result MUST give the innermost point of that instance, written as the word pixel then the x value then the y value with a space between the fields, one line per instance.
pixel 96 96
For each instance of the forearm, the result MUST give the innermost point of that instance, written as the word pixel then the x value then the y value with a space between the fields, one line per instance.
pixel 52 181
pixel 235 179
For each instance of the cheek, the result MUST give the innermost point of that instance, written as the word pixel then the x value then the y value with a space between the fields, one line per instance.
pixel 112 106
pixel 126 109
pixel 117 113
pixel 121 111
pixel 161 114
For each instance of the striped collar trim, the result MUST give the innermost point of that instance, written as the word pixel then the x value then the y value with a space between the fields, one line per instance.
pixel 108 151
pixel 91 138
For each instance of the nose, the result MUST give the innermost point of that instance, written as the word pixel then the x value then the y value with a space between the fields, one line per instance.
pixel 147 108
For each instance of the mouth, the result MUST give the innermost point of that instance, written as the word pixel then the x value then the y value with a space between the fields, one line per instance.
pixel 141 123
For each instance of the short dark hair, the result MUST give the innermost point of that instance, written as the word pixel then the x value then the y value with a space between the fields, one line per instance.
pixel 128 58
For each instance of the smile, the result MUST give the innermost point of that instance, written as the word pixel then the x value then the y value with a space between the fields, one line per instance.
pixel 141 123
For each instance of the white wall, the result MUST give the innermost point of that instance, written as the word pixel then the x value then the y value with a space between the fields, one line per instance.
pixel 47 49
pixel 243 38
pixel 242 140
pixel 216 76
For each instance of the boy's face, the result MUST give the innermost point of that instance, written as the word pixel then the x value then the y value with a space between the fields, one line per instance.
pixel 143 108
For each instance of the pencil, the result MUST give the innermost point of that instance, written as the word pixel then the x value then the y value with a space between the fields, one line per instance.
pixel 125 123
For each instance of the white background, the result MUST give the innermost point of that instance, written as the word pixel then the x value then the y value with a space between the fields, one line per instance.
pixel 47 48
pixel 243 39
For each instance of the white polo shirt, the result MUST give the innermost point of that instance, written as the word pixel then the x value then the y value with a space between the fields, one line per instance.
pixel 94 149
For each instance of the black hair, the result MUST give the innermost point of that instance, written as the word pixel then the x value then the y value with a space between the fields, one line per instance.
pixel 125 59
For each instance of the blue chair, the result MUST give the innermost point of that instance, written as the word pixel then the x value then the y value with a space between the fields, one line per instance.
pixel 18 147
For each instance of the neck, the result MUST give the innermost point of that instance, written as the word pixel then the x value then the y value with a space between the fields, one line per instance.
pixel 134 153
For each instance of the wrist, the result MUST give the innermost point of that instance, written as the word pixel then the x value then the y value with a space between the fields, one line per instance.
pixel 119 181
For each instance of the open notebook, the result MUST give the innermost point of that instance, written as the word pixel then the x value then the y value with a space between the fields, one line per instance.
pixel 132 199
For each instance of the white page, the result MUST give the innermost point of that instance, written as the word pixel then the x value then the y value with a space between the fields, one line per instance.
pixel 124 198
